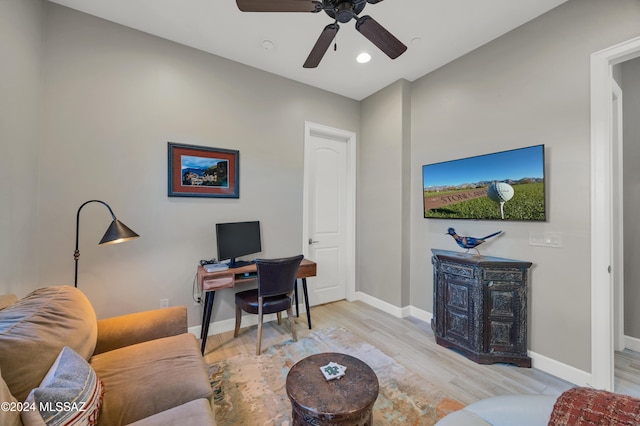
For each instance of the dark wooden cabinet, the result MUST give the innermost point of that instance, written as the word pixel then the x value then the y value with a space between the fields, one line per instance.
pixel 480 306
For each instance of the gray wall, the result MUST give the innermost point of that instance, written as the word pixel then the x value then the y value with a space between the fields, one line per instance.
pixel 113 98
pixel 529 87
pixel 20 108
pixel 383 194
pixel 630 83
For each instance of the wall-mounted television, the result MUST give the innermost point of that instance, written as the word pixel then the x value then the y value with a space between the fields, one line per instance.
pixel 506 185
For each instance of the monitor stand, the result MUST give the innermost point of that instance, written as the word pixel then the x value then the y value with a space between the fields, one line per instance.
pixel 233 263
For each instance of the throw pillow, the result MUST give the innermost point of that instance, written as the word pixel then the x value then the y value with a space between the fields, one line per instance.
pixel 70 394
pixel 592 407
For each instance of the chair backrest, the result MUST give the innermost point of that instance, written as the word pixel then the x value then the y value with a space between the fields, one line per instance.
pixel 277 276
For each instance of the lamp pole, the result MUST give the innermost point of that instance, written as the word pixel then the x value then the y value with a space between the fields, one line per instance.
pixel 116 233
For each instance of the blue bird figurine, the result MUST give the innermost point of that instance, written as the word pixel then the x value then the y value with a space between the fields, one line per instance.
pixel 469 242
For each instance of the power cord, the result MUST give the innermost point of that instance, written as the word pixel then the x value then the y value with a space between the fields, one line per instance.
pixel 196 294
pixel 195 291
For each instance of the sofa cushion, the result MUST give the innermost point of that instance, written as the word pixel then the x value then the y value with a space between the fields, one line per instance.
pixel 8 417
pixel 147 378
pixel 70 394
pixel 36 328
pixel 7 300
pixel 194 413
pixel 586 406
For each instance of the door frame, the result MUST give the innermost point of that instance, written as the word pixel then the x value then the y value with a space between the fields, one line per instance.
pixel 602 209
pixel 314 129
pixel 617 259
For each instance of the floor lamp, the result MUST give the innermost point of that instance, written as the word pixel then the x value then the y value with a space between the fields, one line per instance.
pixel 117 232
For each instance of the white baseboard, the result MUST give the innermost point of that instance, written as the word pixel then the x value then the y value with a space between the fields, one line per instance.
pixel 425 316
pixel 382 305
pixel 560 370
pixel 230 324
pixel 541 362
pixel 632 343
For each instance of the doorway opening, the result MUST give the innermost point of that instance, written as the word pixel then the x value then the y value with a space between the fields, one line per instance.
pixel 605 256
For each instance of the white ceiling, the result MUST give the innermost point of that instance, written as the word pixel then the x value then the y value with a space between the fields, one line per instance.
pixel 435 31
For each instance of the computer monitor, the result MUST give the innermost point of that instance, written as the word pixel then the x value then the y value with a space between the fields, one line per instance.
pixel 237 239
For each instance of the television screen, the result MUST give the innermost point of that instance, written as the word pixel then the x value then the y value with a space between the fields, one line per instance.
pixel 237 239
pixel 507 185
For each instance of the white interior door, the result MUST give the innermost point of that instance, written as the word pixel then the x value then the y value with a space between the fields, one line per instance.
pixel 329 204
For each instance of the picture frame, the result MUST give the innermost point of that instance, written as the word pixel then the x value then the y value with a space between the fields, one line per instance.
pixel 201 171
pixel 505 185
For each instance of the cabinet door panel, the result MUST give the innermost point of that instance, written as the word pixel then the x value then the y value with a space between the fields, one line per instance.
pixel 505 323
pixel 459 304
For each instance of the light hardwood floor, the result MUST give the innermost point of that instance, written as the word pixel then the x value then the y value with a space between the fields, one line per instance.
pixel 410 342
pixel 627 372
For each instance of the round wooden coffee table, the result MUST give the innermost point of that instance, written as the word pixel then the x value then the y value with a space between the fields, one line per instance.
pixel 347 400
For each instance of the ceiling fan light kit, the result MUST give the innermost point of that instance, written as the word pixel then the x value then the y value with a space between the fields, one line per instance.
pixel 341 11
pixel 363 58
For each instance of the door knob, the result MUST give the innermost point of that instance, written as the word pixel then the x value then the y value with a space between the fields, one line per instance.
pixel 312 241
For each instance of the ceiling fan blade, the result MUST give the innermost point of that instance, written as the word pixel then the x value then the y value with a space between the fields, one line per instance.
pixel 379 36
pixel 279 5
pixel 320 48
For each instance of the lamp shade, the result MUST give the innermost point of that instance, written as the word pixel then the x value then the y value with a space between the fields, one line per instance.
pixel 117 232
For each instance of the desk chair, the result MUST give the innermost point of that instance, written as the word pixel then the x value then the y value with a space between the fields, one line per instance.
pixel 276 281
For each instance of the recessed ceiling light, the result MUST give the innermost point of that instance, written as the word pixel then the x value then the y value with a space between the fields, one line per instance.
pixel 363 58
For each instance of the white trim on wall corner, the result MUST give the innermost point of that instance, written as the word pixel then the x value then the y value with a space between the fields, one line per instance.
pixel 407 311
pixel 632 343
pixel 382 305
pixel 420 314
pixel 560 370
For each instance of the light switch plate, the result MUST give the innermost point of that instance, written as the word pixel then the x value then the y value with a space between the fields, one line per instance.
pixel 545 239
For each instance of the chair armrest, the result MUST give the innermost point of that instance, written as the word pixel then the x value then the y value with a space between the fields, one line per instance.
pixel 463 418
pixel 126 330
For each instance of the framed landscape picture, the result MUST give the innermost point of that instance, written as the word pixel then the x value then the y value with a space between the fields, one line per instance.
pixel 505 185
pixel 200 171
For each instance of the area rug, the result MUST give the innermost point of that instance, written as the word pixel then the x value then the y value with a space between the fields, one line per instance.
pixel 250 390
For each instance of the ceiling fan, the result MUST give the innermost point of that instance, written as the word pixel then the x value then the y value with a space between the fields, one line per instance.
pixel 341 11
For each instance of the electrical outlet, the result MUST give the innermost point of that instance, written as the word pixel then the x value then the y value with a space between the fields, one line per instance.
pixel 545 239
pixel 197 302
pixel 164 303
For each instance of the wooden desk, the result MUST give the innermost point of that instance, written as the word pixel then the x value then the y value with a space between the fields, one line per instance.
pixel 209 282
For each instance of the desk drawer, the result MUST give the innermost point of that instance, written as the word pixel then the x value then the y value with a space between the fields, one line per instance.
pixel 225 281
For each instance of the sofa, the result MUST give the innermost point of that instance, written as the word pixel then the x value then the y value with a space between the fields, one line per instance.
pixel 577 406
pixel 60 365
